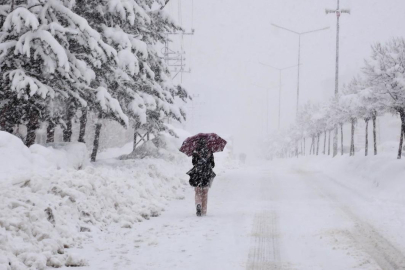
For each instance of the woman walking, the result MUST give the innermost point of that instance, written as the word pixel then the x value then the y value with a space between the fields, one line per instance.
pixel 201 147
pixel 201 175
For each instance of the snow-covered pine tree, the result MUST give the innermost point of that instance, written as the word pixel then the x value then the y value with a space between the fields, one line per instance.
pixel 47 53
pixel 140 80
pixel 107 107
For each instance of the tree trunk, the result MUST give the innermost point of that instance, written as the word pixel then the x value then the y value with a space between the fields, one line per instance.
pixel 137 125
pixel 96 139
pixel 32 126
pixel 366 147
pixel 317 148
pixel 375 133
pixel 7 115
pixel 83 123
pixel 314 148
pixel 67 132
pixel 329 143
pixel 335 140
pixel 401 139
pixel 341 138
pixel 324 142
pixel 50 132
pixel 135 139
pixel 402 115
pixel 304 147
pixel 312 145
pixel 352 139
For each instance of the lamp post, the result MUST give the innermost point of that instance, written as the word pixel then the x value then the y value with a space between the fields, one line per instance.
pixel 338 12
pixel 280 70
pixel 267 105
pixel 299 53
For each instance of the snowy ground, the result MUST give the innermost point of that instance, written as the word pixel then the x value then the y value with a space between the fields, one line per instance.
pixel 305 214
pixel 280 215
pixel 51 203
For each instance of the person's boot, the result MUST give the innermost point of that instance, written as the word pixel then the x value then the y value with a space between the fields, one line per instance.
pixel 198 210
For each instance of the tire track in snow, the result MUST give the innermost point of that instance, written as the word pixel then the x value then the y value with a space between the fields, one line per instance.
pixel 382 251
pixel 264 254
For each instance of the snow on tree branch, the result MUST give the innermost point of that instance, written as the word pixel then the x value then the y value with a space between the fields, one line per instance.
pixel 19 18
pixel 26 42
pixel 108 103
pixel 20 83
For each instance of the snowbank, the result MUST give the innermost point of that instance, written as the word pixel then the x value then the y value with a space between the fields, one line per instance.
pixel 19 163
pixel 60 155
pixel 15 159
pixel 50 203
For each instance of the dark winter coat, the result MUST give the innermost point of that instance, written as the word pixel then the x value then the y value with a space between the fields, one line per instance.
pixel 201 175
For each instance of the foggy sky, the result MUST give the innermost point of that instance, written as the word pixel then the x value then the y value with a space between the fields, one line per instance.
pixel 233 36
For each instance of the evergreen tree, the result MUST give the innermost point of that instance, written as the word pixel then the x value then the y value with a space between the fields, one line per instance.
pixel 47 53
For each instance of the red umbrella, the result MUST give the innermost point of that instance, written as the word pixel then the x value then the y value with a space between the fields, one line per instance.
pixel 213 141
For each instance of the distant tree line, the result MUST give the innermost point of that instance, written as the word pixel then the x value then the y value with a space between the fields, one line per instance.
pixel 61 60
pixel 378 89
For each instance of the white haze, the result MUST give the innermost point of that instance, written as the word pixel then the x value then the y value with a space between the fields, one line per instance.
pixel 233 36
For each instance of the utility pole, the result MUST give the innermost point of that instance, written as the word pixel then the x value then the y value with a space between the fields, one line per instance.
pixel 176 60
pixel 299 53
pixel 280 70
pixel 338 12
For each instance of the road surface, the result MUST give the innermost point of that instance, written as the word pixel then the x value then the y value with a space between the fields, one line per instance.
pixel 262 217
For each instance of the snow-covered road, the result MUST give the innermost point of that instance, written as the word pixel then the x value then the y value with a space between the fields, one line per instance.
pixel 263 217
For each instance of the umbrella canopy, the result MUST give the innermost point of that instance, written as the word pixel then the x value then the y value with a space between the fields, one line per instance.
pixel 213 141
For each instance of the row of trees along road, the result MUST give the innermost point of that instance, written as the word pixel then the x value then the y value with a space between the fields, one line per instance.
pixel 378 89
pixel 61 60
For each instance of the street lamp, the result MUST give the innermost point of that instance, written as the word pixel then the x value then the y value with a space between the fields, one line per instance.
pixel 299 52
pixel 280 70
pixel 267 104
